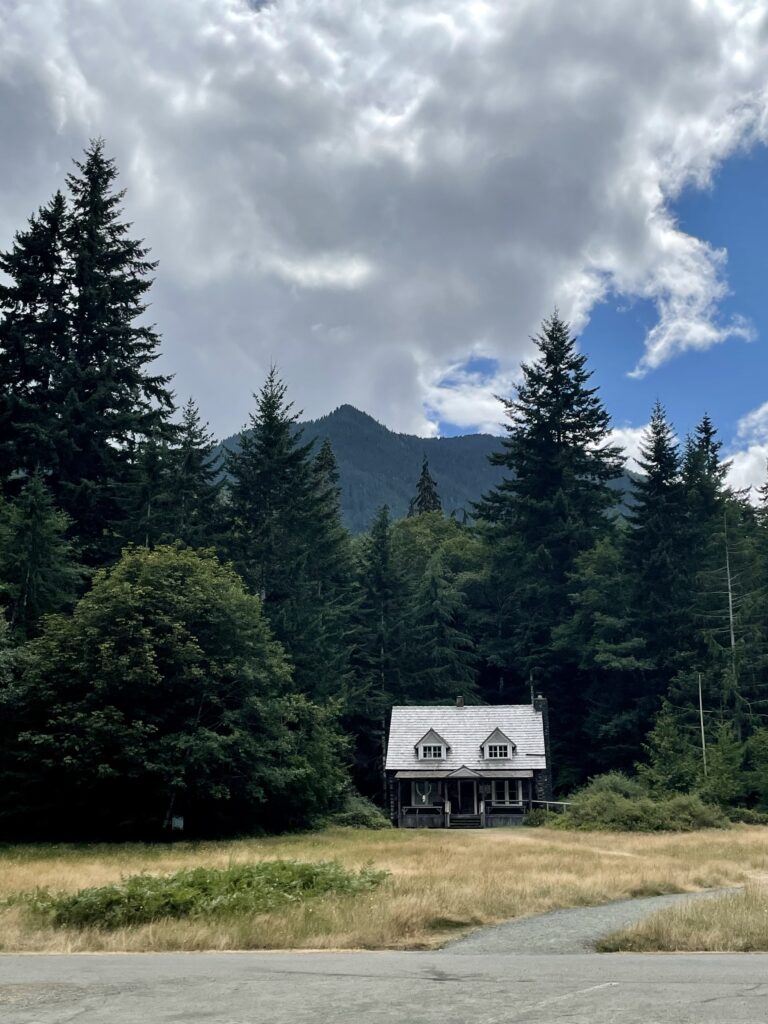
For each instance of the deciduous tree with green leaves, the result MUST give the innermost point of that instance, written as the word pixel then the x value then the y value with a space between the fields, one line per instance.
pixel 164 694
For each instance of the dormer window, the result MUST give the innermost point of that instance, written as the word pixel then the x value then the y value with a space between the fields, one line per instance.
pixel 431 747
pixel 497 747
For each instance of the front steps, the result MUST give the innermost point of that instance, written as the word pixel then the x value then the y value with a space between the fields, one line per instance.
pixel 465 821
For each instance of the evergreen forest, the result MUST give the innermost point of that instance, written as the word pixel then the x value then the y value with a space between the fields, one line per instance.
pixel 190 629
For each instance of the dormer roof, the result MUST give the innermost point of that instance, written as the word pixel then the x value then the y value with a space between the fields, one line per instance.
pixel 431 738
pixel 497 737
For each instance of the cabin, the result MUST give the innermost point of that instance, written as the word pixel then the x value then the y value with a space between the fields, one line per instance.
pixel 467 766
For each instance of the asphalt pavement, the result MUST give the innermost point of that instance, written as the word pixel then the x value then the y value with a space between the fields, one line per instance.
pixel 374 988
pixel 532 971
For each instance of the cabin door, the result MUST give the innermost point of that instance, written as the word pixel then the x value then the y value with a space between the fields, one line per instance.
pixel 461 793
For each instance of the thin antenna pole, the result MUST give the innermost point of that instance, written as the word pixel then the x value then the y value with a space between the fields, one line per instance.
pixel 701 723
pixel 730 597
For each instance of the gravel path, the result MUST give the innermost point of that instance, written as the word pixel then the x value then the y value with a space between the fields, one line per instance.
pixel 567 931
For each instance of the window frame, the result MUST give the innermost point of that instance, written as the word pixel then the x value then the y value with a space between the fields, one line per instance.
pixel 507 785
pixel 492 752
pixel 431 756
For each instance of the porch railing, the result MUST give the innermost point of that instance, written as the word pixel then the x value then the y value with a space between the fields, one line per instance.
pixel 558 806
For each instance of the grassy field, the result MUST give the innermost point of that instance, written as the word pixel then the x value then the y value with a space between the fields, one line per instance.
pixel 735 922
pixel 441 883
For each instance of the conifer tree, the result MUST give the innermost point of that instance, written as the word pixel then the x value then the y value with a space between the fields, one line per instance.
pixel 725 783
pixel 551 506
pixel 441 661
pixel 383 607
pixel 195 482
pixel 381 648
pixel 271 495
pixel 602 634
pixel 145 498
pixel 38 570
pixel 110 401
pixel 703 475
pixel 426 498
pixel 673 762
pixel 286 537
pixel 656 558
pixel 33 342
pixel 333 596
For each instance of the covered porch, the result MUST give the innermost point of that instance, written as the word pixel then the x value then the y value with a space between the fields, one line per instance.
pixel 464 798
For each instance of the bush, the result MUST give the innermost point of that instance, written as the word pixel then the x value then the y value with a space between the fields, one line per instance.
pixel 201 892
pixel 359 812
pixel 616 803
pixel 538 817
pixel 616 783
pixel 747 815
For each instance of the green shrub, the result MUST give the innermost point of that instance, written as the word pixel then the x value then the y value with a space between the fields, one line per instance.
pixel 538 817
pixel 201 892
pixel 616 803
pixel 359 812
pixel 747 815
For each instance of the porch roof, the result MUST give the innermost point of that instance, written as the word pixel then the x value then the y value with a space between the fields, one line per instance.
pixel 520 773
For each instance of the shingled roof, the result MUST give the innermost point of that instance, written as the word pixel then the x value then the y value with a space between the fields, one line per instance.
pixel 465 729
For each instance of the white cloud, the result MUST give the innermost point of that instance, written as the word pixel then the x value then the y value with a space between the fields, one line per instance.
pixel 368 192
pixel 749 454
pixel 753 428
pixel 630 439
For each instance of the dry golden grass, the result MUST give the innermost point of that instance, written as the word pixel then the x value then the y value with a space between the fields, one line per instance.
pixel 735 922
pixel 441 883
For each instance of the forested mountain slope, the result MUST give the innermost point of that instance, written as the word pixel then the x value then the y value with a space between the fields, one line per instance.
pixel 380 467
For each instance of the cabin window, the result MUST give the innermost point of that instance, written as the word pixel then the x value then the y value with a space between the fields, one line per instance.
pixel 431 751
pixel 507 791
pixel 498 750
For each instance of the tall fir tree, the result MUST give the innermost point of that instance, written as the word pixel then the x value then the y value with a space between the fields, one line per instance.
pixel 440 661
pixel 110 400
pixel 551 505
pixel 39 573
pixel 426 499
pixel 381 647
pixel 601 634
pixel 286 538
pixel 145 498
pixel 195 481
pixel 34 310
pixel 656 559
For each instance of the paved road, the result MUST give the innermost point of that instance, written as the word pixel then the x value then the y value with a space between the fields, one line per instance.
pixel 569 931
pixel 533 971
pixel 383 988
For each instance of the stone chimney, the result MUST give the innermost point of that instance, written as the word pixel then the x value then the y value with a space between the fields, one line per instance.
pixel 459 701
pixel 543 781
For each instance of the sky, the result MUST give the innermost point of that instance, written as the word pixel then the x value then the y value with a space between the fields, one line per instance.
pixel 386 198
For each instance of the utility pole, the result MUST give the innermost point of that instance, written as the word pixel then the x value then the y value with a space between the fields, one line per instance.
pixel 701 723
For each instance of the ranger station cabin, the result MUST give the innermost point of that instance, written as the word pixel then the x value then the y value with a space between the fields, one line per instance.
pixel 467 767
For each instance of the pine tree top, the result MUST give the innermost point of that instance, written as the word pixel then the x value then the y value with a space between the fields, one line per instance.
pixel 426 498
pixel 557 439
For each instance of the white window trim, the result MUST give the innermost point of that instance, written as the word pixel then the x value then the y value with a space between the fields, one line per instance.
pixel 510 790
pixel 432 756
pixel 497 757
